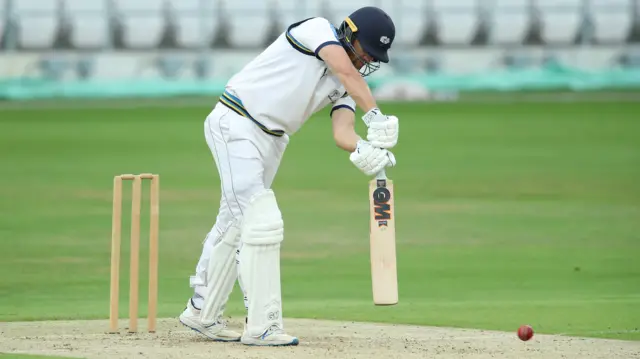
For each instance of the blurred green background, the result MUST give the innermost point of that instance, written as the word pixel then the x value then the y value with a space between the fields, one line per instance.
pixel 507 213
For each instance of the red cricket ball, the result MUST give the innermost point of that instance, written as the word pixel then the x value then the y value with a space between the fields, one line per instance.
pixel 525 332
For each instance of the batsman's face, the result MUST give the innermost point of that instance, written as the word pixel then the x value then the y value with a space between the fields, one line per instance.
pixel 362 57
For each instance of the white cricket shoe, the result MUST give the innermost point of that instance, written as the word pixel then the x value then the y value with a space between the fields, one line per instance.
pixel 274 336
pixel 217 332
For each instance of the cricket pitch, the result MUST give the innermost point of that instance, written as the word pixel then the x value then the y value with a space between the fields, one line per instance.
pixel 318 339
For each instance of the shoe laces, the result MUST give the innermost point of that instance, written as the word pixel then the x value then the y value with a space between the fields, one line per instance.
pixel 274 329
pixel 221 321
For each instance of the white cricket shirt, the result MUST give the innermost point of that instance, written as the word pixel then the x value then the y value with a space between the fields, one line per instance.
pixel 287 83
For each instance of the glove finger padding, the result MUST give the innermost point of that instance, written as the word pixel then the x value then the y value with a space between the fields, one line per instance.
pixel 386 159
pixel 384 134
pixel 371 160
pixel 377 161
pixel 390 124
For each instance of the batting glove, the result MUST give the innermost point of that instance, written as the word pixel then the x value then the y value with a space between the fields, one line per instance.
pixel 371 160
pixel 383 130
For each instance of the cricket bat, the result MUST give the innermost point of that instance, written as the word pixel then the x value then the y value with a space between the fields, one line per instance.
pixel 382 236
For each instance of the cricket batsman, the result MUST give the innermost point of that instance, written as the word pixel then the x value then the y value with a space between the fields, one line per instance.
pixel 311 66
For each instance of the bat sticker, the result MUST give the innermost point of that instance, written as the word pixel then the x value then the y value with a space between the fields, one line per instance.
pixel 382 208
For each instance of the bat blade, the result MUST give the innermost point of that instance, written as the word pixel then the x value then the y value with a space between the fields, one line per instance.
pixel 383 242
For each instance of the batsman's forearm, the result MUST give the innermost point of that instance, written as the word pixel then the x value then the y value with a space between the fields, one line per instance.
pixel 344 133
pixel 347 141
pixel 358 89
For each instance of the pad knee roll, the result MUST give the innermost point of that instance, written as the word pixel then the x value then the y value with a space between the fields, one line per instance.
pixel 262 222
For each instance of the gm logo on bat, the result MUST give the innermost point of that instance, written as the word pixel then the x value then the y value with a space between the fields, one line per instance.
pixel 381 206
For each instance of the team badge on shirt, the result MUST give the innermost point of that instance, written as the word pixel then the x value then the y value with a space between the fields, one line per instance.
pixel 335 96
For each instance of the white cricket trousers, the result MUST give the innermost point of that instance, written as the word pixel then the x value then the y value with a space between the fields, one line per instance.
pixel 247 160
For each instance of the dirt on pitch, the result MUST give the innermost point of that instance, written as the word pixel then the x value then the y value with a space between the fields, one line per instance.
pixel 318 339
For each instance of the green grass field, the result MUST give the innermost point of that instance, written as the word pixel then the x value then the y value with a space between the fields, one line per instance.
pixel 506 214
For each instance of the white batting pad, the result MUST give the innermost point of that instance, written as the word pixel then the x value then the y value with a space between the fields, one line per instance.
pixel 221 275
pixel 262 233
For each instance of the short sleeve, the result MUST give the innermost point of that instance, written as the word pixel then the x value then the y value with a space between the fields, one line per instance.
pixel 312 35
pixel 344 102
